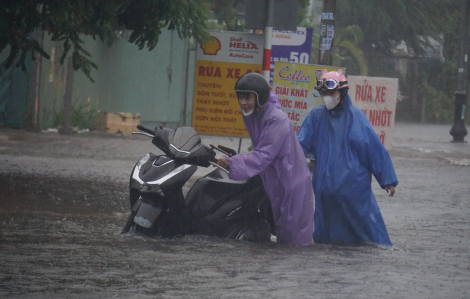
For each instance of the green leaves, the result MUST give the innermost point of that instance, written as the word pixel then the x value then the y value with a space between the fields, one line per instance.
pixel 67 20
pixel 147 18
pixel 385 22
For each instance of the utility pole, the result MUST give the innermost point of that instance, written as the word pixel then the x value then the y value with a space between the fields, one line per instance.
pixel 34 84
pixel 269 15
pixel 268 32
pixel 35 81
pixel 67 125
pixel 459 131
pixel 327 32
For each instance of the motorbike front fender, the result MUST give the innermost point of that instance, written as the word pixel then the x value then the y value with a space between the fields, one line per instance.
pixel 146 215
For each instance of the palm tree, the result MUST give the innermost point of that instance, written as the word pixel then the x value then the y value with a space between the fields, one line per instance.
pixel 346 50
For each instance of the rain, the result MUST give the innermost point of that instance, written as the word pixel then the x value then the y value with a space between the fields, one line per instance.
pixel 64 181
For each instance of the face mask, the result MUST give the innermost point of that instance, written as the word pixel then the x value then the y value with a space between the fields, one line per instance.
pixel 249 112
pixel 330 102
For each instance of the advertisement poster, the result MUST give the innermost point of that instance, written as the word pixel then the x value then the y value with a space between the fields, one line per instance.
pixel 219 64
pixel 294 84
pixel 377 97
pixel 290 46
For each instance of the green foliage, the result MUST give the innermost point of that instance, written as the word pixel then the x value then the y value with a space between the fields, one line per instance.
pixel 347 52
pixel 83 116
pixel 439 107
pixel 67 20
pixel 146 19
pixel 302 13
pixel 385 22
pixel 227 13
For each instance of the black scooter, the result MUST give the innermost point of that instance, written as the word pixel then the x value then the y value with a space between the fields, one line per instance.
pixel 215 205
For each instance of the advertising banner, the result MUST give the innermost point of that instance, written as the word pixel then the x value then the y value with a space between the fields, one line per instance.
pixel 294 84
pixel 219 64
pixel 290 46
pixel 377 97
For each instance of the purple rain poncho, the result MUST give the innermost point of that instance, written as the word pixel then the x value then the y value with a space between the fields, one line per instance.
pixel 279 159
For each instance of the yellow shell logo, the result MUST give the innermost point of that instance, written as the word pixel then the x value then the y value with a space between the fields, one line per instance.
pixel 211 47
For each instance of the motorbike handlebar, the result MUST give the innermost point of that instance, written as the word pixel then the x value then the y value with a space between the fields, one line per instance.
pixel 146 130
pixel 215 165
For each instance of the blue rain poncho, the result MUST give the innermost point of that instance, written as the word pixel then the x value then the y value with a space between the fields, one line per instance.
pixel 279 159
pixel 347 152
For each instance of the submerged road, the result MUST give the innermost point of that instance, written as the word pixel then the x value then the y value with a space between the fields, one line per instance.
pixel 63 202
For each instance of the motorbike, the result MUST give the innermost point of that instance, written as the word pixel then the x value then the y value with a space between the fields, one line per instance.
pixel 215 205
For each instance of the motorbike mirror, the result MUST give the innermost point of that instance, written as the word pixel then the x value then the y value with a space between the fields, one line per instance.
pixel 230 151
pixel 216 148
pixel 144 129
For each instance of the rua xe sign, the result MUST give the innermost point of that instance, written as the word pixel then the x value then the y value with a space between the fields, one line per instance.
pixel 220 62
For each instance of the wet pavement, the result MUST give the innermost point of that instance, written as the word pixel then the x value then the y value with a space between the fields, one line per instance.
pixel 64 200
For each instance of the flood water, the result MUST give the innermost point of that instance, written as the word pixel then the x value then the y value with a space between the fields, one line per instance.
pixel 64 201
pixel 61 238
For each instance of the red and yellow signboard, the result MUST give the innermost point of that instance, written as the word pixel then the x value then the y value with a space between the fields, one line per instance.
pixel 294 84
pixel 220 63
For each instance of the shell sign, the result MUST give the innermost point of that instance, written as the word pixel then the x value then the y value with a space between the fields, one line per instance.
pixel 211 47
pixel 220 62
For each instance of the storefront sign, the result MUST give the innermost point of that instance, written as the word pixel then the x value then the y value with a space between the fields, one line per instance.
pixel 220 63
pixel 294 84
pixel 290 46
pixel 377 97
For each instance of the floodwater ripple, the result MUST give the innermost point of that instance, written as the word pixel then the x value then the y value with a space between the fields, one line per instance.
pixel 60 238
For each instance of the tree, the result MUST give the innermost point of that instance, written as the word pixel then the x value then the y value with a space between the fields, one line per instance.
pixel 429 84
pixel 68 20
pixel 227 13
pixel 387 22
pixel 347 51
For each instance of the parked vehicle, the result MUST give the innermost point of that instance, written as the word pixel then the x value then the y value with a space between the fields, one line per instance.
pixel 215 205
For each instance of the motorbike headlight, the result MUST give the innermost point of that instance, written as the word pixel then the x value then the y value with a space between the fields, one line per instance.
pixel 143 160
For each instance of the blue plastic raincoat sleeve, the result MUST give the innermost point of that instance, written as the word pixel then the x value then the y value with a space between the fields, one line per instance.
pixel 270 142
pixel 307 132
pixel 372 154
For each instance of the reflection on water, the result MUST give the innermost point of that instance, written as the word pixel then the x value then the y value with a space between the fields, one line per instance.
pixel 61 238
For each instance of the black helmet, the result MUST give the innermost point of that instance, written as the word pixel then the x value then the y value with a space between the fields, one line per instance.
pixel 254 82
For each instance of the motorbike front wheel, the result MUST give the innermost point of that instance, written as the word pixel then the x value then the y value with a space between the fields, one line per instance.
pixel 129 223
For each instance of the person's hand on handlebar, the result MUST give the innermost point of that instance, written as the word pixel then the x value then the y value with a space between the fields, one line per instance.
pixel 222 162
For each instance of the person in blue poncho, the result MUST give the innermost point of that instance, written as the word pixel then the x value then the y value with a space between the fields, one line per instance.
pixel 347 152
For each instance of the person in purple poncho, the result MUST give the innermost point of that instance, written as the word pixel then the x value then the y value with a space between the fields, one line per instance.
pixel 279 159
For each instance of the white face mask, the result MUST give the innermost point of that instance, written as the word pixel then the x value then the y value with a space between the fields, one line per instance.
pixel 249 112
pixel 330 102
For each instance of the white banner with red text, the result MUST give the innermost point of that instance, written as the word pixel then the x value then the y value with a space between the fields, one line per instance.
pixel 377 98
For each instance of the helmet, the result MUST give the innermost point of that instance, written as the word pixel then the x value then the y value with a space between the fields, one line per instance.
pixel 334 80
pixel 256 83
pixel 331 80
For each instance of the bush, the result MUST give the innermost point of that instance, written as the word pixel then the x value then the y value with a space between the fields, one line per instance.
pixel 83 116
pixel 439 107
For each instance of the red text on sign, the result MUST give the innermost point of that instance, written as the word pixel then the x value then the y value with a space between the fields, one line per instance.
pixel 364 93
pixel 380 118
